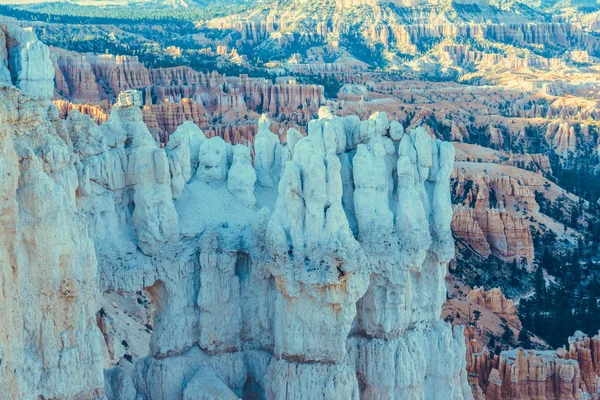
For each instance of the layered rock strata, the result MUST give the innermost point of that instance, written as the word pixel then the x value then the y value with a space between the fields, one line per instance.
pixel 495 301
pixel 175 95
pixel 491 209
pixel 560 374
pixel 566 373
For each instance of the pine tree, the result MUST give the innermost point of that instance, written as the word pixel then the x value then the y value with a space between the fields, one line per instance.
pixel 492 343
pixel 539 285
pixel 525 339
pixel 508 335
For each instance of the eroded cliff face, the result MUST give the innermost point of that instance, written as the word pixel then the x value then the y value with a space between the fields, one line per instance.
pixel 290 303
pixel 317 272
pixel 50 346
pixel 570 372
pixel 491 209
pixel 524 374
pixel 216 103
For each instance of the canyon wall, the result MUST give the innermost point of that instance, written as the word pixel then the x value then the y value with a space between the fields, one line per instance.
pixel 172 96
pixel 545 374
pixel 50 346
pixel 315 272
pixel 490 211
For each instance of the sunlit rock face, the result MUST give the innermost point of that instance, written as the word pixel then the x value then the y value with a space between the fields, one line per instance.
pixel 311 270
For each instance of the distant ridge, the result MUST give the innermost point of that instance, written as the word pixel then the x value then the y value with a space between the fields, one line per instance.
pixel 171 3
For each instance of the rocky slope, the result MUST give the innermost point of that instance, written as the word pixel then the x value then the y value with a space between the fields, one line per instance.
pixel 278 289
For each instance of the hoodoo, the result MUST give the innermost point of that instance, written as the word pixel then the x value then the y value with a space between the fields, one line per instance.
pixel 319 275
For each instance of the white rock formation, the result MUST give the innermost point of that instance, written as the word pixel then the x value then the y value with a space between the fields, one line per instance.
pixel 50 346
pixel 121 168
pixel 316 263
pixel 148 174
pixel 101 170
pixel 179 154
pixel 130 98
pixel 213 160
pixel 30 66
pixel 293 137
pixel 4 72
pixel 267 160
pixel 398 318
pixel 371 202
pixel 242 177
pixel 193 137
pixel 265 293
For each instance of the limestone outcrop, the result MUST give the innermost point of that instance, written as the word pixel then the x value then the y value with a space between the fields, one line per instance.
pixel 29 63
pixel 50 345
pixel 523 374
pixel 121 167
pixel 495 301
pixel 316 273
pixel 489 210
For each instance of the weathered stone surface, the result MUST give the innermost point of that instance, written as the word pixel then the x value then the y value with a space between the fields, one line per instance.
pixel 489 214
pixel 253 288
pixel 241 176
pixel 268 155
pixel 50 345
pixel 29 62
pixel 213 160
pixel 526 374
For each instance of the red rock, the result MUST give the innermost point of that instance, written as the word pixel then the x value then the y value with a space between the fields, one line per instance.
pixel 495 301
pixel 227 106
